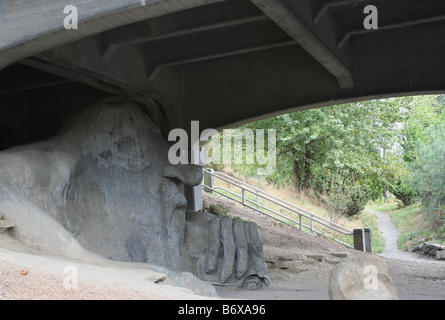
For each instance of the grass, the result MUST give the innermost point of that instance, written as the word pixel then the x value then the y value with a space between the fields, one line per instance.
pixel 370 221
pixel 217 210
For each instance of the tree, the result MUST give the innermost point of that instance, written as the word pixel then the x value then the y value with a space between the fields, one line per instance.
pixel 358 148
pixel 428 169
pixel 403 191
pixel 338 145
pixel 419 115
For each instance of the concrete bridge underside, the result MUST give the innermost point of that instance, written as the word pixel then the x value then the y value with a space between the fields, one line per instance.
pixel 222 62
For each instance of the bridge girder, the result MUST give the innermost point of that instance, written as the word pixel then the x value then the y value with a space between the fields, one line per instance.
pixel 222 62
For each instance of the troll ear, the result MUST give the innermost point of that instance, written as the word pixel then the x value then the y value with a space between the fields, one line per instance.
pixel 186 173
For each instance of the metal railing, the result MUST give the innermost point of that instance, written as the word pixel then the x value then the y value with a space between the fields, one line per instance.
pixel 262 202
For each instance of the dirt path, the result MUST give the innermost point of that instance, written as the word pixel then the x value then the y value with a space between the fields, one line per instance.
pixel 390 234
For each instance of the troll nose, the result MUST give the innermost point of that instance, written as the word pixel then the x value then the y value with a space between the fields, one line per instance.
pixel 187 174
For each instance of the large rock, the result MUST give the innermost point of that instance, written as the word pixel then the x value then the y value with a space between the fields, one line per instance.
pixel 364 278
pixel 440 255
pixel 433 248
pixel 429 249
pixel 103 187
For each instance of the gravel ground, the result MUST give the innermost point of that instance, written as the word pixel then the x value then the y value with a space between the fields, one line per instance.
pixel 30 275
pixel 24 282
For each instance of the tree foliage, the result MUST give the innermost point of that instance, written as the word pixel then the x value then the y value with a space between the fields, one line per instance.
pixel 420 114
pixel 350 153
pixel 424 151
pixel 428 169
pixel 403 192
pixel 337 146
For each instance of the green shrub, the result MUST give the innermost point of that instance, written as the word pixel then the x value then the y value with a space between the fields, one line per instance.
pixel 403 192
pixel 347 198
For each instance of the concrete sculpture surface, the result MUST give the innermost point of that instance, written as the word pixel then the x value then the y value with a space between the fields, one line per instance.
pixel 103 188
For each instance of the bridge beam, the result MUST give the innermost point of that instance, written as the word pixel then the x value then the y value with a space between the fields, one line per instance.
pixel 288 20
pixel 29 27
pixel 227 62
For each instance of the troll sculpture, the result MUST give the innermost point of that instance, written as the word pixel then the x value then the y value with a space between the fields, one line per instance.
pixel 103 187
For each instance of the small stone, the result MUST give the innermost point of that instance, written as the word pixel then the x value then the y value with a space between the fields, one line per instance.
pixel 317 257
pixel 331 261
pixel 155 277
pixel 286 257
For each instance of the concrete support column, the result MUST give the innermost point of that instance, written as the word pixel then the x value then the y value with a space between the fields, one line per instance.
pixel 194 197
pixel 193 194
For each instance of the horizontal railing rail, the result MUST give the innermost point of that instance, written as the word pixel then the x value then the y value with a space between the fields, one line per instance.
pixel 262 202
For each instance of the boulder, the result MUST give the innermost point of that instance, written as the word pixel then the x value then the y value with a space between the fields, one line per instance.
pixel 428 249
pixel 440 255
pixel 434 246
pixel 365 278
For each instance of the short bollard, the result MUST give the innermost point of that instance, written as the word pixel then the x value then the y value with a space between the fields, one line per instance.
pixel 363 239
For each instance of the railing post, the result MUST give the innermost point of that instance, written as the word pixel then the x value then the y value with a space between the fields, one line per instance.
pixel 209 180
pixel 257 199
pixel 312 224
pixel 300 222
pixel 242 194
